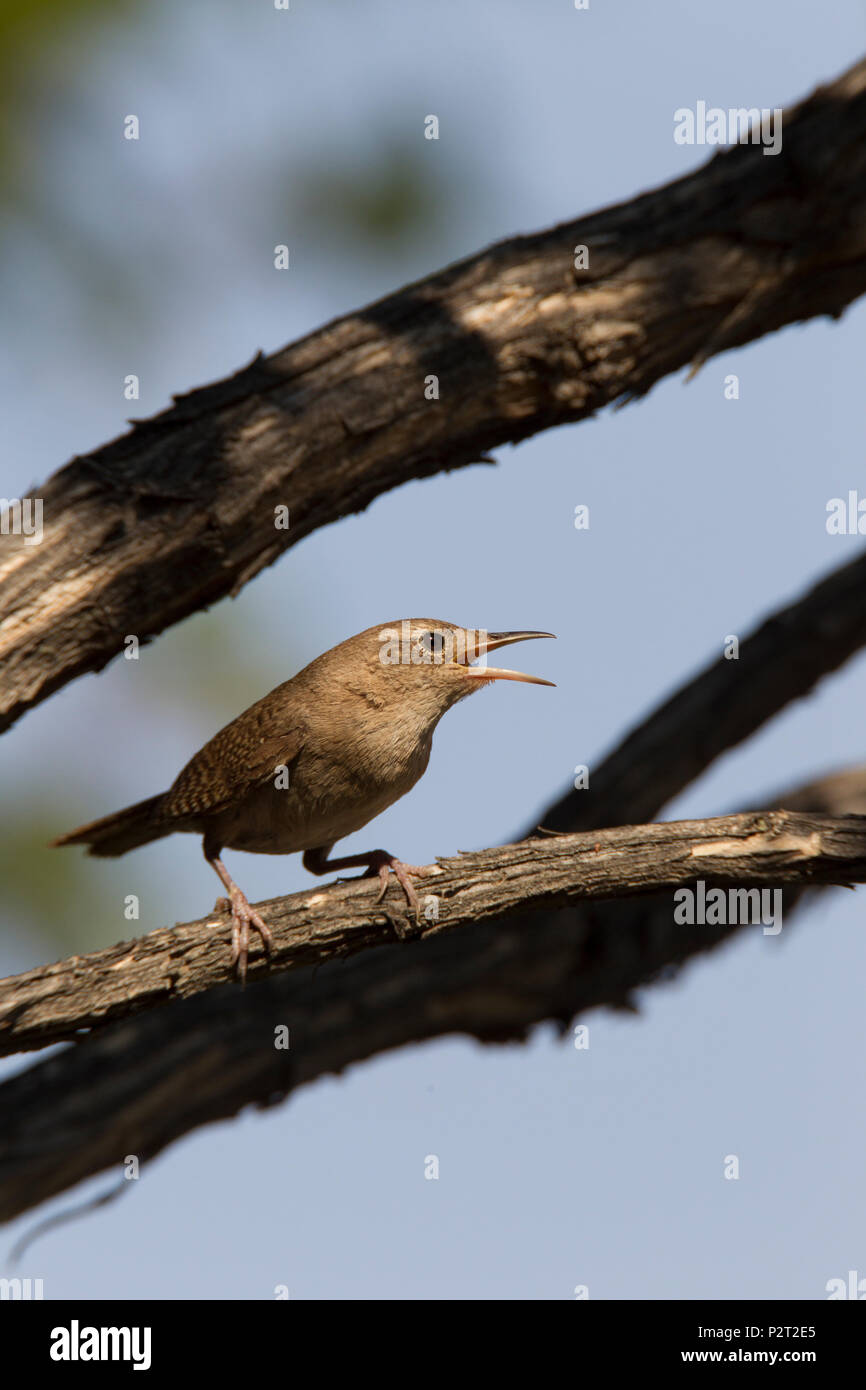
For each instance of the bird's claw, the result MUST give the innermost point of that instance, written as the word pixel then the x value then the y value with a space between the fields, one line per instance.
pixel 402 874
pixel 243 917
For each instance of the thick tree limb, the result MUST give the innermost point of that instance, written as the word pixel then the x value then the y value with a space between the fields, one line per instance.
pixel 53 1003
pixel 138 1085
pixel 167 519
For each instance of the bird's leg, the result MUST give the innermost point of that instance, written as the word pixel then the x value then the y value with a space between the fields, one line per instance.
pixel 243 916
pixel 375 861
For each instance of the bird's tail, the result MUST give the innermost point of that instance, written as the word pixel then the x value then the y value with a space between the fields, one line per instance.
pixel 113 835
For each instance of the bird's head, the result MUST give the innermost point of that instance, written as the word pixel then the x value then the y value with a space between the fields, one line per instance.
pixel 428 662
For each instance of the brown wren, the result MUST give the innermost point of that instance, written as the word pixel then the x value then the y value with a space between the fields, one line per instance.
pixel 317 758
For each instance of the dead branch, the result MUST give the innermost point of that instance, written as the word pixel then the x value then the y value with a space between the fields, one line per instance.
pixel 55 1002
pixel 135 1086
pixel 181 511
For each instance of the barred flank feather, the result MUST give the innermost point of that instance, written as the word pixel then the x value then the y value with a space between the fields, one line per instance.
pixel 125 830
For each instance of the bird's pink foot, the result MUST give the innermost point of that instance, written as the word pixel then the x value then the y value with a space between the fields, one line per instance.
pixel 383 865
pixel 377 863
pixel 243 917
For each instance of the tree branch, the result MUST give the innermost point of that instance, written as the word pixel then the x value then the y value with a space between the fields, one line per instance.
pixel 174 515
pixel 53 1003
pixel 136 1086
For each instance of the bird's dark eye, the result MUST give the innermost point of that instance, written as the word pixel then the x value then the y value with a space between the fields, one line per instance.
pixel 433 642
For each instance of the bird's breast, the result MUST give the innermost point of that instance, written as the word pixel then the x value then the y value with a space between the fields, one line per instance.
pixel 331 791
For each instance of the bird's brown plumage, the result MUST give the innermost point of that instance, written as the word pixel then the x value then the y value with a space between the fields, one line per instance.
pixel 319 756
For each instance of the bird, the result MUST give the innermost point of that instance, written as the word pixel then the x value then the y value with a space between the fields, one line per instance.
pixel 316 759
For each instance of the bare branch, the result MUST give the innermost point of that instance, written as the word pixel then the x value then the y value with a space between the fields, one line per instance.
pixel 136 1086
pixel 174 515
pixel 53 1003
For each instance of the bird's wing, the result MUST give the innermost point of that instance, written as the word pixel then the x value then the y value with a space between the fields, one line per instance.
pixel 244 754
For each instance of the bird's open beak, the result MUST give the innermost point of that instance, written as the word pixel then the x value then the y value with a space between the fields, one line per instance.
pixel 497 673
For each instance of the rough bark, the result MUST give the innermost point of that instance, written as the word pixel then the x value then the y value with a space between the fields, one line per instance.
pixel 54 1003
pixel 140 1084
pixel 180 511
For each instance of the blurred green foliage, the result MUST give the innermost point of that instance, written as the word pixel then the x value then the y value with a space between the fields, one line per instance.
pixel 26 23
pixel 29 29
pixel 381 201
